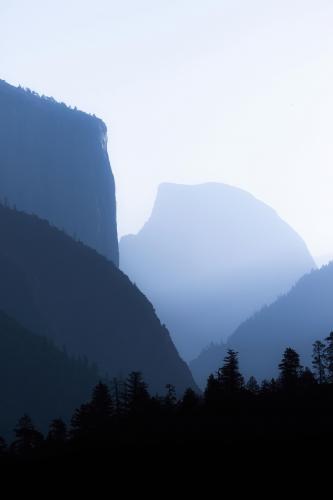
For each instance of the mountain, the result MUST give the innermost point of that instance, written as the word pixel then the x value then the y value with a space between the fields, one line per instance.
pixel 210 256
pixel 38 379
pixel 324 259
pixel 210 359
pixel 65 290
pixel 54 163
pixel 296 320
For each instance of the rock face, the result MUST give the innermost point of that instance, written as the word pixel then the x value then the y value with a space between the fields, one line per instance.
pixel 62 289
pixel 209 256
pixel 54 163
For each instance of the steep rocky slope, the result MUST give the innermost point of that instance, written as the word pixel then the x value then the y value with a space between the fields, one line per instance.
pixel 65 290
pixel 54 163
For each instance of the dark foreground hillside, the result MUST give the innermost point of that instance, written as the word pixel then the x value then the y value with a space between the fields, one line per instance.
pixel 38 378
pixel 60 288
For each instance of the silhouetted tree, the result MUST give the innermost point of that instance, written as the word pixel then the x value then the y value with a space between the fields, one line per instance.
pixel 190 401
pixel 137 396
pixel 212 394
pixel 318 361
pixel 329 357
pixel 57 431
pixel 273 385
pixel 265 387
pixel 269 386
pixel 81 423
pixel 252 385
pixel 170 399
pixel 93 417
pixel 290 369
pixel 119 396
pixel 101 403
pixel 229 376
pixel 272 405
pixel 3 446
pixel 307 378
pixel 27 436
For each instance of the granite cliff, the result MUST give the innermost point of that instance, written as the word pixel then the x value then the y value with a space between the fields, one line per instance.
pixel 54 163
pixel 209 256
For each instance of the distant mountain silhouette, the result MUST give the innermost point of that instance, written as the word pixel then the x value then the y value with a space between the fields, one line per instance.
pixel 61 288
pixel 324 259
pixel 54 163
pixel 37 378
pixel 208 362
pixel 209 256
pixel 296 319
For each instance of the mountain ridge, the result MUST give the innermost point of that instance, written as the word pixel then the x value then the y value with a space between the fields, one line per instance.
pixel 296 319
pixel 83 301
pixel 208 257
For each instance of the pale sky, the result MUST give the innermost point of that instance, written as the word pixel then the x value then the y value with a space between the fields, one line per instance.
pixel 233 91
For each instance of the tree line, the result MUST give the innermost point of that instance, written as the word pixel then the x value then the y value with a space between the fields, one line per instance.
pixel 123 412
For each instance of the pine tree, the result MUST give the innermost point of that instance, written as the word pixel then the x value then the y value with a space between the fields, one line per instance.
pixel 252 385
pixel 212 394
pixel 265 387
pixel 119 396
pixel 101 403
pixel 307 378
pixel 27 437
pixel 290 369
pixel 318 361
pixel 170 399
pixel 269 386
pixel 329 357
pixel 57 431
pixel 3 446
pixel 81 421
pixel 229 376
pixel 190 401
pixel 137 396
pixel 94 417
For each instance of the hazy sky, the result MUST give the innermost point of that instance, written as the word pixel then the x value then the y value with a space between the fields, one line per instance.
pixel 235 91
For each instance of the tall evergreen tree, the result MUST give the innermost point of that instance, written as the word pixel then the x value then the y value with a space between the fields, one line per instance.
pixel 329 357
pixel 28 438
pixel 3 446
pixel 81 422
pixel 190 401
pixel 307 378
pixel 57 431
pixel 119 396
pixel 212 394
pixel 170 399
pixel 101 403
pixel 265 387
pixel 318 361
pixel 252 385
pixel 137 396
pixel 229 376
pixel 290 369
pixel 94 417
